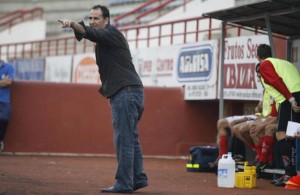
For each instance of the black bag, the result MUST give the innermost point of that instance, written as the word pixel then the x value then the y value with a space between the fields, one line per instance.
pixel 200 156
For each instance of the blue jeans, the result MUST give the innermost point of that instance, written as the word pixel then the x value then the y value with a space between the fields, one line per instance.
pixel 5 111
pixel 4 118
pixel 127 109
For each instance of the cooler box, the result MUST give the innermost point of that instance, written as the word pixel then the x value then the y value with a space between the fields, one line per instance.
pixel 199 158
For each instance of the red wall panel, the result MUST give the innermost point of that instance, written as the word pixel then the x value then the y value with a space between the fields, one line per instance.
pixel 75 118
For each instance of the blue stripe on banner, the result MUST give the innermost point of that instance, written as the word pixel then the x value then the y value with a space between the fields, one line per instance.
pixel 29 69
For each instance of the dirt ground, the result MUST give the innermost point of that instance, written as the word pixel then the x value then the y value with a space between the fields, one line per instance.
pixel 32 174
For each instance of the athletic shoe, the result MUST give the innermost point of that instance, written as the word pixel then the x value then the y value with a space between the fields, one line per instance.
pixel 280 181
pixel 260 167
pixel 239 159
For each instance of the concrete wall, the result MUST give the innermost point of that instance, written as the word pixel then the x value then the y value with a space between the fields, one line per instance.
pixel 53 10
pixel 74 118
pixel 35 30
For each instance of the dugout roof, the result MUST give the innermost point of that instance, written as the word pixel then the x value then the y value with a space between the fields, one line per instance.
pixel 280 17
pixel 283 16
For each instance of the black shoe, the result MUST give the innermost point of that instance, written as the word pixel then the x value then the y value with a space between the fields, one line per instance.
pixel 113 190
pixel 260 167
pixel 139 186
pixel 239 159
pixel 280 181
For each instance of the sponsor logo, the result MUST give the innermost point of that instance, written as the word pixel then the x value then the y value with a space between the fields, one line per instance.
pixel 162 67
pixel 223 173
pixel 240 76
pixel 194 63
pixel 87 71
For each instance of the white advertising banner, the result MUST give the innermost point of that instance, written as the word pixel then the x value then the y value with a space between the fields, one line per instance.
pixel 197 69
pixel 58 69
pixel 85 69
pixel 156 66
pixel 240 79
pixel 193 66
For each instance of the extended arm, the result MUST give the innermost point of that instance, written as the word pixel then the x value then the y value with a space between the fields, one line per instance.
pixel 66 23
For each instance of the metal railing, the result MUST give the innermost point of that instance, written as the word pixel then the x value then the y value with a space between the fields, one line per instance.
pixel 9 19
pixel 147 12
pixel 183 31
pixel 117 20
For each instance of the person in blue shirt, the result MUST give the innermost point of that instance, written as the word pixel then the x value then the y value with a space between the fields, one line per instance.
pixel 6 78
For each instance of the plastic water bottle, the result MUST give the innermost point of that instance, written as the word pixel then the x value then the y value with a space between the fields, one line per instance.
pixel 226 171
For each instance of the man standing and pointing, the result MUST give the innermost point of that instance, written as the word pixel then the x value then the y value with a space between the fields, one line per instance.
pixel 124 89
